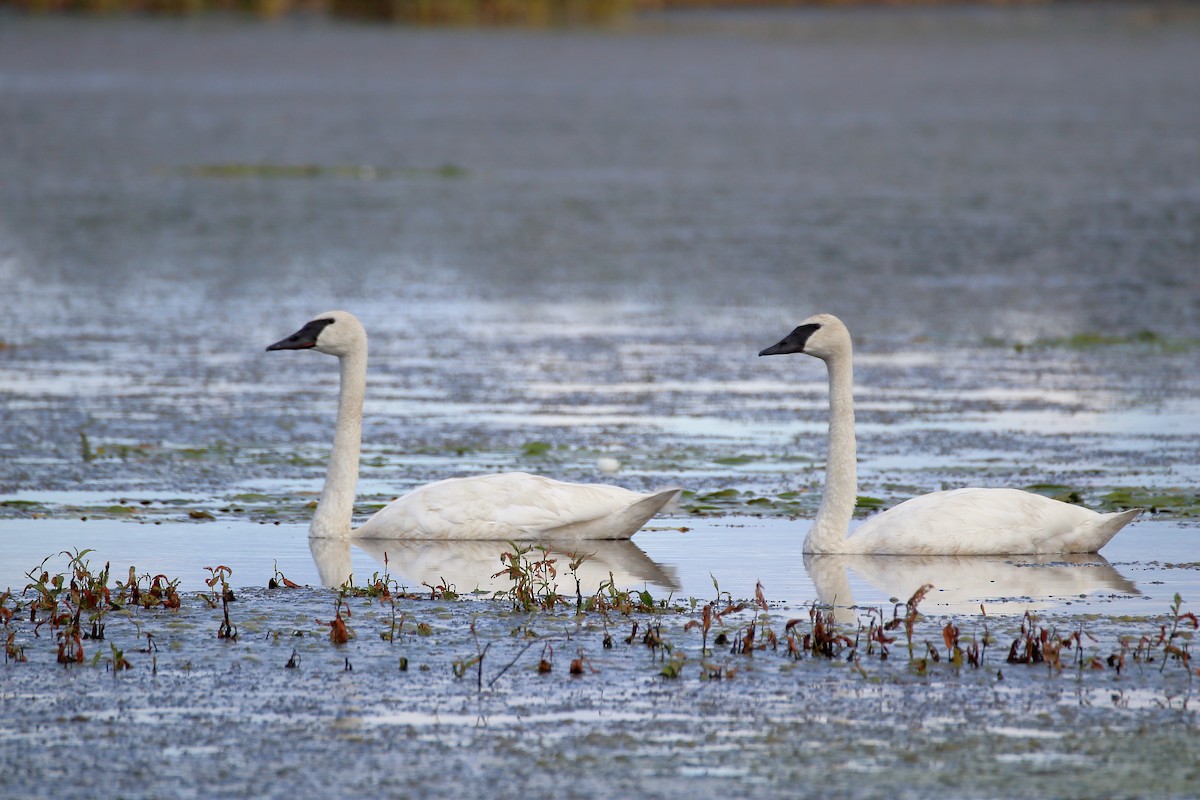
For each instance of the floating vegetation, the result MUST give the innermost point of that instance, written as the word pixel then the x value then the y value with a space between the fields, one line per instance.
pixel 535 449
pixel 1089 340
pixel 1175 502
pixel 1156 501
pixel 748 503
pixel 298 508
pixel 1057 491
pixel 735 461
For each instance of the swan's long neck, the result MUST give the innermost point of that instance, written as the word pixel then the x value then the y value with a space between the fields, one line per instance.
pixel 828 532
pixel 335 510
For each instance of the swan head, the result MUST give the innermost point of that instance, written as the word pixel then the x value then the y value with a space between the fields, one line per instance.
pixel 334 332
pixel 822 335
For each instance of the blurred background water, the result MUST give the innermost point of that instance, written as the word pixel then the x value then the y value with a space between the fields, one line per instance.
pixel 568 244
pixel 582 236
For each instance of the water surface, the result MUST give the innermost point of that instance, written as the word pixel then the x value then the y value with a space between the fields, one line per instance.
pixel 581 239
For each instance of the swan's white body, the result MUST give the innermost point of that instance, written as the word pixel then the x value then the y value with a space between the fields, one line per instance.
pixel 515 505
pixel 512 505
pixel 955 522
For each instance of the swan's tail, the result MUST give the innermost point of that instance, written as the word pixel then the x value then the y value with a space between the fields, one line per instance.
pixel 1106 527
pixel 631 519
pixel 619 525
pixel 643 510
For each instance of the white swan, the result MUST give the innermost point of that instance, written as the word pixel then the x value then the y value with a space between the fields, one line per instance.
pixel 955 522
pixel 510 505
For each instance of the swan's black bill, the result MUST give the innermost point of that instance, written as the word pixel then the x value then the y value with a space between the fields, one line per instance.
pixel 304 338
pixel 794 342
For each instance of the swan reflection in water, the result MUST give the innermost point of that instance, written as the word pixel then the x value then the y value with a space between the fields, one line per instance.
pixel 1001 584
pixel 469 565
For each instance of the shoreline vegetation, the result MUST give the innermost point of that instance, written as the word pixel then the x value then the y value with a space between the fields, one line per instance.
pixel 531 13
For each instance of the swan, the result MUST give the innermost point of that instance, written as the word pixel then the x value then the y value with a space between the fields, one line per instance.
pixel 510 505
pixel 954 522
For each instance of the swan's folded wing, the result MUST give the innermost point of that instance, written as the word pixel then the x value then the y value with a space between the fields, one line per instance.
pixel 502 506
pixel 980 522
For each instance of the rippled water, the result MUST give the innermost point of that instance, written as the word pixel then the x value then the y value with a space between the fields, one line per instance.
pixel 582 238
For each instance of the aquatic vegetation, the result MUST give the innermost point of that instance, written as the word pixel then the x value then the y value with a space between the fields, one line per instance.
pixel 580 662
pixel 1176 643
pixel 1171 501
pixel 395 622
pixel 1177 502
pixel 673 667
pixel 12 651
pixel 442 591
pixel 536 449
pixel 61 601
pixel 460 665
pixel 1060 492
pixel 381 586
pixel 64 599
pixel 117 662
pixel 707 617
pixel 79 604
pixel 534 584
pixel 758 635
pixel 733 501
pixel 735 461
pixel 279 580
pixel 6 613
pixel 609 597
pixel 31 508
pixel 223 597
pixel 790 504
pixel 1144 338
pixel 339 633
pixel 160 591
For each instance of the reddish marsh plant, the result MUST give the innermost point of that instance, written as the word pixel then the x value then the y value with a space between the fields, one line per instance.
pixel 279 580
pixel 1175 643
pixel 758 635
pixel 823 638
pixel 534 578
pixel 224 596
pixel 338 632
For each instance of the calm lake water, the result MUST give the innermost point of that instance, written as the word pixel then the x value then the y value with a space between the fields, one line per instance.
pixel 579 239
